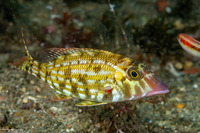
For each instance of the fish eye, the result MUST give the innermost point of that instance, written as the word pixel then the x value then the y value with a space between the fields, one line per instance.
pixel 133 74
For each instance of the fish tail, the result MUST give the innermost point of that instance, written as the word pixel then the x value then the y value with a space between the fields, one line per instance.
pixel 24 64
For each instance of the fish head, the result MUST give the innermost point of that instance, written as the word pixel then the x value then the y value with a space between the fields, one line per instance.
pixel 142 82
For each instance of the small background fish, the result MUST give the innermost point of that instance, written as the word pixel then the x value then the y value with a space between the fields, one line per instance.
pixel 189 44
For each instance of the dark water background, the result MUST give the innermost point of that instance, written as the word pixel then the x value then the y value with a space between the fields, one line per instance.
pixel 28 105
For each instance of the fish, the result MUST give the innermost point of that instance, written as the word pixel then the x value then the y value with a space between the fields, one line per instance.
pixel 189 44
pixel 97 77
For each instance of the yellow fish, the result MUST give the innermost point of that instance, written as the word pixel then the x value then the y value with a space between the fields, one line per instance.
pixel 95 76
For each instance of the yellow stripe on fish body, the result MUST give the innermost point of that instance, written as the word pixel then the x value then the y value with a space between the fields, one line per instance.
pixel 89 74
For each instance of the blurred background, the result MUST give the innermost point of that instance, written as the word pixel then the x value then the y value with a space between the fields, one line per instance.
pixel 151 26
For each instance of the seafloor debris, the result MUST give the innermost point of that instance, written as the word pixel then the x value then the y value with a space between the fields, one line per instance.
pixel 170 67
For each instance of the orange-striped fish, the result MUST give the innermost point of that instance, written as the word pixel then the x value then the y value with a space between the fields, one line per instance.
pixel 95 76
pixel 189 44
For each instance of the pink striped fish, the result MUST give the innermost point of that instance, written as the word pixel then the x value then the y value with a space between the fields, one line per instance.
pixel 189 44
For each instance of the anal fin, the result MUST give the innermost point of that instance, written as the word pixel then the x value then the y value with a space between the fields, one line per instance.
pixel 89 104
pixel 61 97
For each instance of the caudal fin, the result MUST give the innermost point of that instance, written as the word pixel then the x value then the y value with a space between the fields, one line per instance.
pixel 21 63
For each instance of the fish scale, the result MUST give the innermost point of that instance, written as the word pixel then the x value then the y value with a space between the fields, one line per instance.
pixel 98 76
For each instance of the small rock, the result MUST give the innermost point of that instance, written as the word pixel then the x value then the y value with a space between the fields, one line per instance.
pixel 112 107
pixel 179 65
pixel 2 88
pixel 178 24
pixel 54 110
pixel 39 96
pixel 170 67
pixel 195 86
pixel 180 105
pixel 37 89
pixel 32 98
pixel 21 79
pixel 32 82
pixel 23 89
pixel 67 130
pixel 98 125
pixel 168 112
pixel 182 89
pixel 188 65
pixel 25 100
pixel 72 129
pixel 161 123
pixel 2 98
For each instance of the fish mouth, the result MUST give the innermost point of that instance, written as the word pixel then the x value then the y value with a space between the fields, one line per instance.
pixel 159 89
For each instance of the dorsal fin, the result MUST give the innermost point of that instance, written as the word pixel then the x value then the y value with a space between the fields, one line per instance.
pixel 53 53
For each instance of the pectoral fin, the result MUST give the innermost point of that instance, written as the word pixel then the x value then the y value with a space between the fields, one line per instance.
pixel 89 103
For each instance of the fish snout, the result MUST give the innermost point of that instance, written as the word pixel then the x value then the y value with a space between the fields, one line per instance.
pixel 158 87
